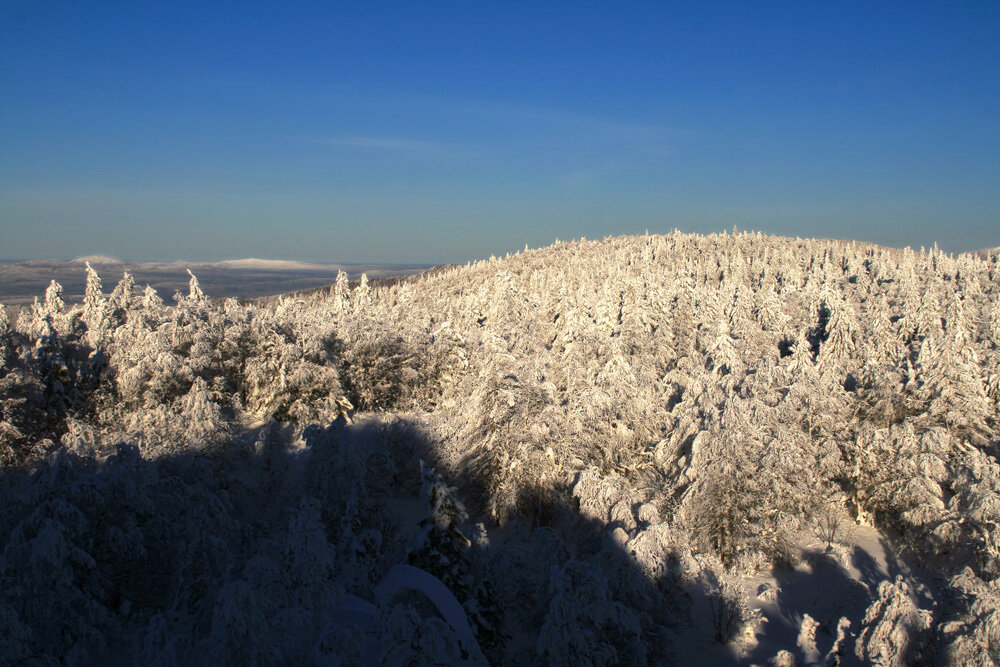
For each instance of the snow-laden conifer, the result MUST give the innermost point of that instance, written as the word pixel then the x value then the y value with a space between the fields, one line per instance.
pixel 893 627
pixel 94 309
pixel 121 295
pixel 54 303
pixel 361 296
pixel 195 295
pixel 341 293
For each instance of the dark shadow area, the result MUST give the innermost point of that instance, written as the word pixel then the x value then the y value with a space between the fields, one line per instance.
pixel 250 550
pixel 824 592
pixel 277 543
pixel 871 572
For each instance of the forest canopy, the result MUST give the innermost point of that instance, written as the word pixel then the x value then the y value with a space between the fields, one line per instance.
pixel 586 453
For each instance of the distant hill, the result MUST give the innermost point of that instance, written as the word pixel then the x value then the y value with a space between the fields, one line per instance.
pixel 96 259
pixel 21 282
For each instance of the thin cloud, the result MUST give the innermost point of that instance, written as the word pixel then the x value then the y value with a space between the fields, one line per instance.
pixel 383 143
pixel 649 139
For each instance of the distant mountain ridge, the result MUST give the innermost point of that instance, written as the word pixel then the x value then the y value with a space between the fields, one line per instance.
pixel 96 259
pixel 22 281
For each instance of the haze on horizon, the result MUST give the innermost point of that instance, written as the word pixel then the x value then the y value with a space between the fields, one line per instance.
pixel 448 132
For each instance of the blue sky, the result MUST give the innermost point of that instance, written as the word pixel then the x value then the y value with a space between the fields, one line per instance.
pixel 443 132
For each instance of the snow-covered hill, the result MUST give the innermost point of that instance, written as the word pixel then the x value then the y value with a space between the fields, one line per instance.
pixel 651 449
pixel 96 259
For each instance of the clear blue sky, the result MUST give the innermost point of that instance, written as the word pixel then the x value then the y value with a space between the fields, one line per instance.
pixel 433 132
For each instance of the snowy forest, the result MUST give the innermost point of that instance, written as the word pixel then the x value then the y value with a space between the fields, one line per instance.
pixel 659 449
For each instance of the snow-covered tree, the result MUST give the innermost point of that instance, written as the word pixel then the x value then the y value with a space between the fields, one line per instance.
pixel 341 293
pixel 893 627
pixel 122 294
pixel 94 309
pixel 584 625
pixel 54 304
pixel 361 297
